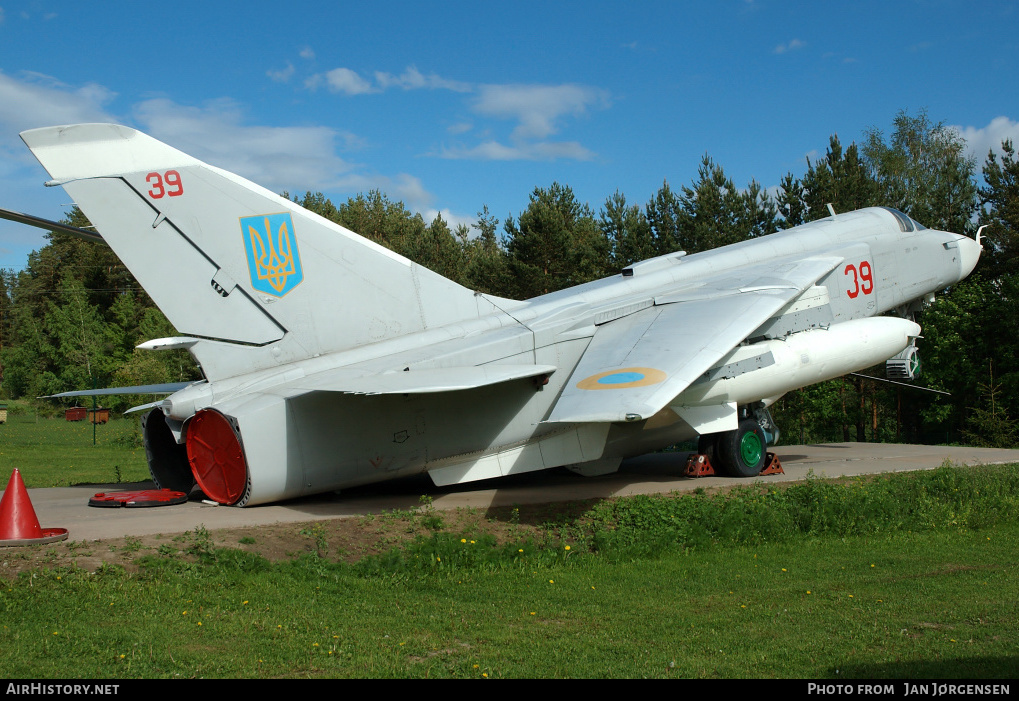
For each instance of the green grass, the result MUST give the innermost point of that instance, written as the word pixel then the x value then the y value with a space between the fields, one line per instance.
pixel 58 453
pixel 902 576
pixel 935 605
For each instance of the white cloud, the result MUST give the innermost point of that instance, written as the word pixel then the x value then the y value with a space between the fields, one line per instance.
pixel 402 187
pixel 981 140
pixel 341 80
pixel 524 151
pixel 791 46
pixel 350 82
pixel 538 108
pixel 307 53
pixel 39 100
pixel 278 158
pixel 281 76
pixel 413 79
pixel 538 111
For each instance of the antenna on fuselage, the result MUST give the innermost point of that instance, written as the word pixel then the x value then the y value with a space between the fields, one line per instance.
pixel 832 210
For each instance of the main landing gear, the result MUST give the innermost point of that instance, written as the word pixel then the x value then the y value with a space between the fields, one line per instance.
pixel 739 453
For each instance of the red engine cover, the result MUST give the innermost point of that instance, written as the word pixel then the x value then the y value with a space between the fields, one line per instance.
pixel 216 457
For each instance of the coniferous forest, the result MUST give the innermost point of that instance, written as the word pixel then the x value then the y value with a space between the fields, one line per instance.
pixel 72 317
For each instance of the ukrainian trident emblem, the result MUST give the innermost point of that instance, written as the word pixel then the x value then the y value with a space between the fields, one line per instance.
pixel 273 261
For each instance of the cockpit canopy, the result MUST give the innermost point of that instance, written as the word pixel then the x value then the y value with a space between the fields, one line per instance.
pixel 906 224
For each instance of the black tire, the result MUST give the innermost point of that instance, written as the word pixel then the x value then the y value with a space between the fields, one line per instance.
pixel 743 452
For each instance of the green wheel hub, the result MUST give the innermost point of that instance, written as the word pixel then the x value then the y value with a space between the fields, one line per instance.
pixel 751 448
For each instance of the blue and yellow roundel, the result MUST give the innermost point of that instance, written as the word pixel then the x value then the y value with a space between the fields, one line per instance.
pixel 622 378
pixel 274 263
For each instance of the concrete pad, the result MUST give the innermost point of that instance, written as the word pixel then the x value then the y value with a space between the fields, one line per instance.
pixel 67 507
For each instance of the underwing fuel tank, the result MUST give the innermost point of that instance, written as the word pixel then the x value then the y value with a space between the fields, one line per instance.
pixel 771 368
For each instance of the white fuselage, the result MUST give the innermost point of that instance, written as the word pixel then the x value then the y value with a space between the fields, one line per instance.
pixel 334 440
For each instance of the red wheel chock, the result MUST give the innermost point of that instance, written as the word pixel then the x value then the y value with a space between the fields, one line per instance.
pixel 772 465
pixel 698 465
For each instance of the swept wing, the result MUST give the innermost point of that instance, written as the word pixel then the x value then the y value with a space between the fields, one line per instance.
pixel 636 365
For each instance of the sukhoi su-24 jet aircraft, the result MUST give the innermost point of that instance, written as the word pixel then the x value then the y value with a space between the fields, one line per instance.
pixel 330 361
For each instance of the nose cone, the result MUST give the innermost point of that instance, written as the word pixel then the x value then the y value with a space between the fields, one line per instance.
pixel 969 254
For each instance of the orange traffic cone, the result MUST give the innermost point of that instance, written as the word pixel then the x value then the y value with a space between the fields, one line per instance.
pixel 18 523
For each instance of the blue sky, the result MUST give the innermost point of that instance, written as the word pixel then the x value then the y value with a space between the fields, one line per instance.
pixel 451 106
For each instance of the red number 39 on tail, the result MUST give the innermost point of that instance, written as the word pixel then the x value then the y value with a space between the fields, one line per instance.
pixel 167 184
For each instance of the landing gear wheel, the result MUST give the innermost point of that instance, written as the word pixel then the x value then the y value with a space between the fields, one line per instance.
pixel 743 452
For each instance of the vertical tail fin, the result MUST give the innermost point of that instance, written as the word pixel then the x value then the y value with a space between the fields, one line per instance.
pixel 262 279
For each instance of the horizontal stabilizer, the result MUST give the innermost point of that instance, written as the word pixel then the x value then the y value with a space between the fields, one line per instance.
pixel 172 343
pixel 167 388
pixel 415 381
pixel 40 223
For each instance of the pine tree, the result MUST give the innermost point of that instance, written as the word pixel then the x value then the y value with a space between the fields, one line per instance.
pixel 1000 199
pixel 989 425
pixel 556 243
